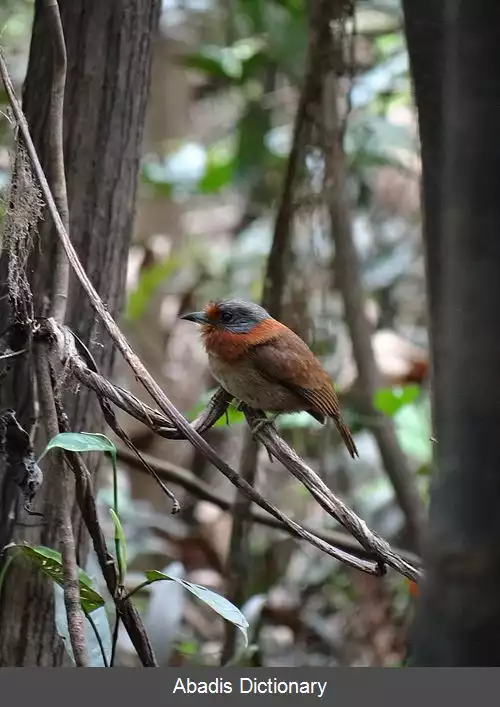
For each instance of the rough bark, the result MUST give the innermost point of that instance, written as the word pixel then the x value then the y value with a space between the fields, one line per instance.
pixel 458 618
pixel 109 48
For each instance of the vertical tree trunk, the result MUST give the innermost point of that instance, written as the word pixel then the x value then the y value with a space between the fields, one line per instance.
pixel 109 48
pixel 458 617
pixel 424 29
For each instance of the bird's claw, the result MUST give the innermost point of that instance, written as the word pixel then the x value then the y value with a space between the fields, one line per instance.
pixel 262 422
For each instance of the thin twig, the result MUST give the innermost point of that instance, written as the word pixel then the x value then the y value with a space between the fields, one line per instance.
pixel 115 639
pixel 71 582
pixel 111 420
pixel 91 621
pixel 11 354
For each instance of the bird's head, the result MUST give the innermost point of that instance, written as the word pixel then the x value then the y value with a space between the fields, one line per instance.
pixel 234 316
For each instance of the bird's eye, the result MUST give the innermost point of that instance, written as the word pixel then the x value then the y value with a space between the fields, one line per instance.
pixel 226 316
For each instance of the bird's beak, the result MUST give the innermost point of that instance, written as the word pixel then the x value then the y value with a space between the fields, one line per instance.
pixel 196 317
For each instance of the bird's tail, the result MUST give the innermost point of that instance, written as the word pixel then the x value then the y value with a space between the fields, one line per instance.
pixel 347 437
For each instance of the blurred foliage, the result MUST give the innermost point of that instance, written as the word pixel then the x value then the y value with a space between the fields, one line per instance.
pixel 391 400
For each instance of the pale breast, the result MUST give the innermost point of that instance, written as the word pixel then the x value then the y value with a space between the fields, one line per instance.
pixel 249 386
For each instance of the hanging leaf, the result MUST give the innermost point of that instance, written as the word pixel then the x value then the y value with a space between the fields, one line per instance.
pixel 50 562
pixel 81 442
pixel 218 603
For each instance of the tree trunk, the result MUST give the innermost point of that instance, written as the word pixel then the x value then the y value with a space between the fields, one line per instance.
pixel 458 617
pixel 424 29
pixel 109 47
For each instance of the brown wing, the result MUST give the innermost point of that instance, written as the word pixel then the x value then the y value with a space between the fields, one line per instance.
pixel 291 362
pixel 297 368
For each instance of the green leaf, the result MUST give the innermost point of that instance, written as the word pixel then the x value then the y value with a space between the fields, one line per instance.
pixel 81 442
pixel 218 603
pixel 391 400
pixel 120 539
pixel 50 562
pixel 233 417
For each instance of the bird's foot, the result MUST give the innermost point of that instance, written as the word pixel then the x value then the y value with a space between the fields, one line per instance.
pixel 263 421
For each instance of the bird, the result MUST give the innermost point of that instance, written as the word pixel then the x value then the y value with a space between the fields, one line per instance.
pixel 265 365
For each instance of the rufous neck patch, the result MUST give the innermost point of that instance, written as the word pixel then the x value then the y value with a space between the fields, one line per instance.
pixel 231 347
